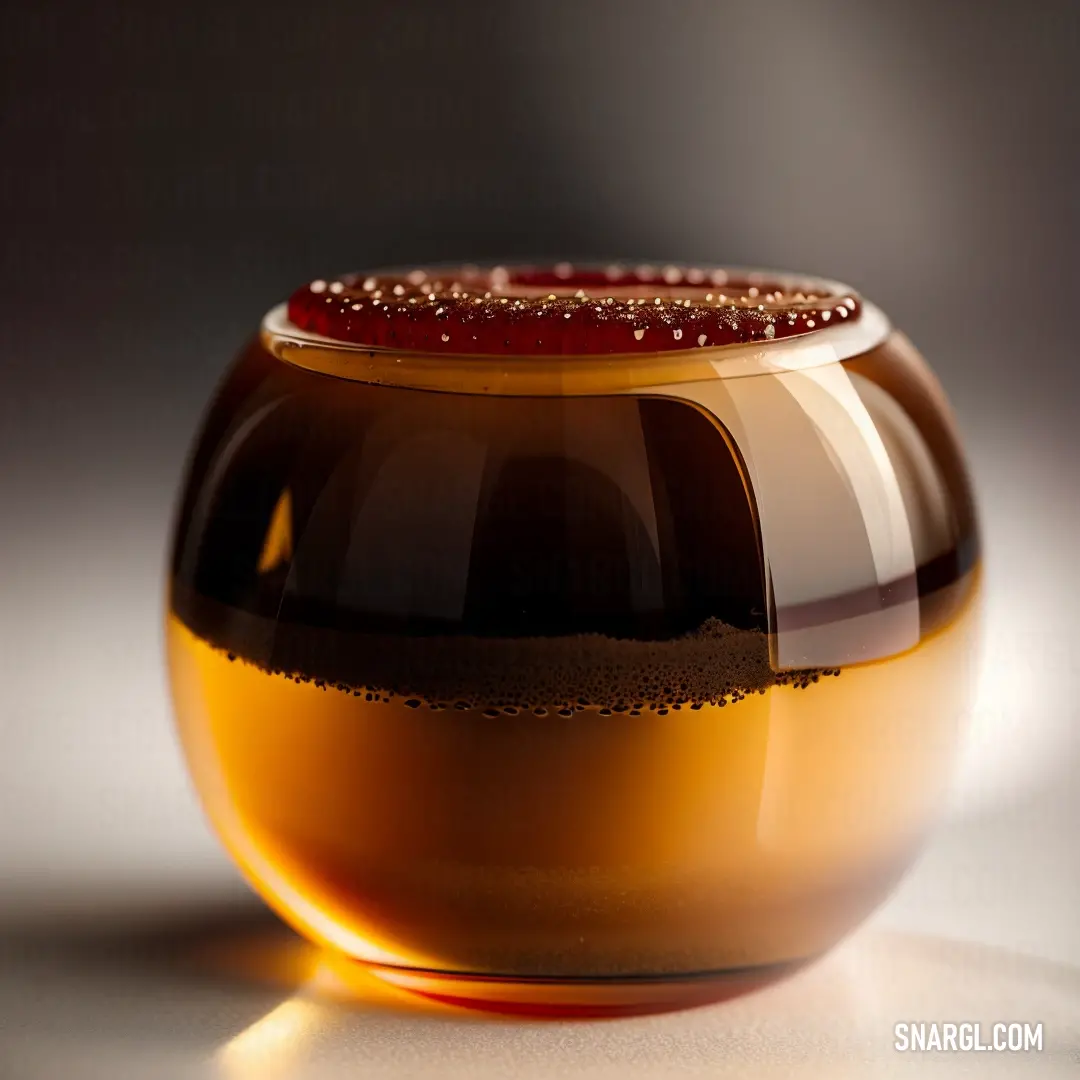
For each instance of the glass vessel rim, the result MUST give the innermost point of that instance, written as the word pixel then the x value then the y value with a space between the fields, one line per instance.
pixel 582 373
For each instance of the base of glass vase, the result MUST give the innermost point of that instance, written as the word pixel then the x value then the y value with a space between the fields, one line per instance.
pixel 584 998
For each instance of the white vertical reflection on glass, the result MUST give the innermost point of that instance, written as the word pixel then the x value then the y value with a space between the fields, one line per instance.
pixel 858 456
pixel 931 516
pixel 831 510
pixel 850 436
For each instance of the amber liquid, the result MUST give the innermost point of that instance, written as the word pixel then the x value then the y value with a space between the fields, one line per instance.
pixel 377 602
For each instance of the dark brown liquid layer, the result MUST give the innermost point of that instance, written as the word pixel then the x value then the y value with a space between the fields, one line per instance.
pixel 503 553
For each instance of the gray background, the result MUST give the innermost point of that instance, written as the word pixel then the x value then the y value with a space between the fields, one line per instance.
pixel 167 172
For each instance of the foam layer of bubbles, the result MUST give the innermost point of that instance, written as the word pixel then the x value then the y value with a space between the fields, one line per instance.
pixel 714 664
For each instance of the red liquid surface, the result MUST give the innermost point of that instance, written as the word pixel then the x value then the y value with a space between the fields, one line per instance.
pixel 565 310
